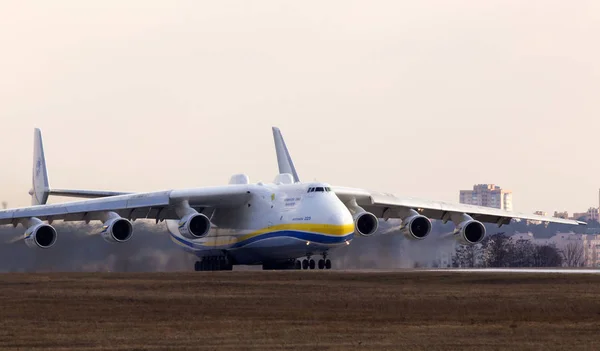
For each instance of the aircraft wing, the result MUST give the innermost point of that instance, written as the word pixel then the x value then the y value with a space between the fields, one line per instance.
pixel 155 205
pixel 385 205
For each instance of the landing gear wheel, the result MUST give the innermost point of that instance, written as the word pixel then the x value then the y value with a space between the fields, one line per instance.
pixel 321 263
pixel 312 264
pixel 327 264
pixel 298 264
pixel 304 264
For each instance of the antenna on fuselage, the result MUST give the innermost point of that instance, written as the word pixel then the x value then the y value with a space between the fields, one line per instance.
pixel 284 160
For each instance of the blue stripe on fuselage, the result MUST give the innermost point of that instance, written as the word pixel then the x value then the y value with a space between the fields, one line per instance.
pixel 307 236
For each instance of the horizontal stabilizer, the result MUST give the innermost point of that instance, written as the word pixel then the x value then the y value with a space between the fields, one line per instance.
pixel 85 194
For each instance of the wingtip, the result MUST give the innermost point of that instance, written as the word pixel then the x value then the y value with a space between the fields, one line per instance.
pixel 275 129
pixel 581 223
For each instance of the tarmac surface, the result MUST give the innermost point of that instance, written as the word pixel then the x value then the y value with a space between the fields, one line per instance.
pixel 300 310
pixel 517 270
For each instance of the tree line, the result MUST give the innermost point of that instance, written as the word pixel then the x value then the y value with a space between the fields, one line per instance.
pixel 500 250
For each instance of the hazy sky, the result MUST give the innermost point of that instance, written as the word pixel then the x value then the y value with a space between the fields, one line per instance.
pixel 419 98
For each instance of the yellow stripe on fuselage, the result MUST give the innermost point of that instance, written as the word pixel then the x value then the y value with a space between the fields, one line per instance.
pixel 326 229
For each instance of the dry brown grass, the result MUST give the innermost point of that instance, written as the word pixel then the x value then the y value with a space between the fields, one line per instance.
pixel 300 310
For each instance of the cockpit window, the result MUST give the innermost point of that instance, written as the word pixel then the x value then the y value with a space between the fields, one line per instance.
pixel 320 189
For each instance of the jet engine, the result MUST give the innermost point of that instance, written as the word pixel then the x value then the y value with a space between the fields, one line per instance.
pixel 117 230
pixel 365 223
pixel 40 235
pixel 469 232
pixel 416 227
pixel 194 226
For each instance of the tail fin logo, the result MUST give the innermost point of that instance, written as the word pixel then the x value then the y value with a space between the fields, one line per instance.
pixel 38 167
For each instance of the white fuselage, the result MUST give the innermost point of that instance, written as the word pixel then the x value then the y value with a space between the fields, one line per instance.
pixel 279 222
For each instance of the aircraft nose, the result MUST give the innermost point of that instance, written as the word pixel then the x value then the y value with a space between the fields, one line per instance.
pixel 342 218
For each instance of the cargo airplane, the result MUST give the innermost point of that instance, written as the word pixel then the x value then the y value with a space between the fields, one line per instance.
pixel 281 225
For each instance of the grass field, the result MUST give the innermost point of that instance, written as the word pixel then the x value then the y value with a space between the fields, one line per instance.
pixel 300 310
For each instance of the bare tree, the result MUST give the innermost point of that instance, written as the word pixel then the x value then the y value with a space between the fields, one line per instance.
pixel 523 254
pixel 467 256
pixel 4 205
pixel 547 256
pixel 572 254
pixel 498 251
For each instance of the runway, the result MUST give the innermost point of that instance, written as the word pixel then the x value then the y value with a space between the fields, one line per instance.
pixel 481 270
pixel 299 310
pixel 519 270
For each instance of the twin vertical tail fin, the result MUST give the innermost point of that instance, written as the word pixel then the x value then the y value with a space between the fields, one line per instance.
pixel 41 188
pixel 284 160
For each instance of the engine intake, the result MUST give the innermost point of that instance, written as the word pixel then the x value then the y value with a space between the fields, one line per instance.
pixel 365 223
pixel 416 227
pixel 117 230
pixel 40 235
pixel 470 232
pixel 194 226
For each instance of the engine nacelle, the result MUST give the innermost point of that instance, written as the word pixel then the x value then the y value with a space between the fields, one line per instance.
pixel 365 223
pixel 416 227
pixel 469 232
pixel 117 230
pixel 40 235
pixel 194 226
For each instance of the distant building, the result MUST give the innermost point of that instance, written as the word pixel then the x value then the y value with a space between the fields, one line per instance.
pixel 560 240
pixel 591 215
pixel 488 195
pixel 563 215
pixel 591 250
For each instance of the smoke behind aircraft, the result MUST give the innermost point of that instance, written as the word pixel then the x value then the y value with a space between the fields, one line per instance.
pixel 150 249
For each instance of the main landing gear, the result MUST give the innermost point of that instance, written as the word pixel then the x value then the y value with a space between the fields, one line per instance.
pixel 309 263
pixel 214 263
pixel 305 263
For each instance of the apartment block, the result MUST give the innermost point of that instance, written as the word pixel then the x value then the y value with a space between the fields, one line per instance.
pixel 488 195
